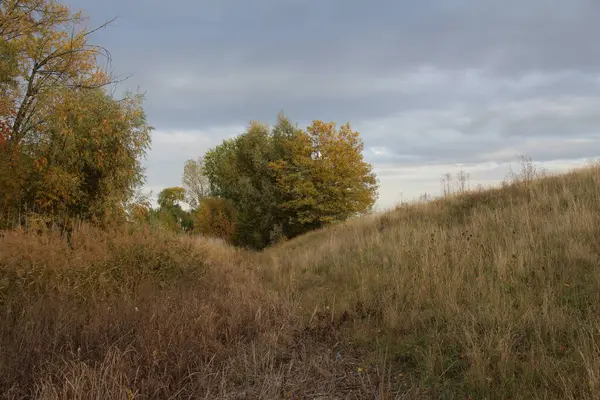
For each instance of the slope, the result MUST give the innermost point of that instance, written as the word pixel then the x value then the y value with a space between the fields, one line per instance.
pixel 486 294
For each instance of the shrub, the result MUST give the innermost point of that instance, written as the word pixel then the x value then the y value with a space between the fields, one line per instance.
pixel 216 217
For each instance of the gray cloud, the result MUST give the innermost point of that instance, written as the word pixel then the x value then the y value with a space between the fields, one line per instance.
pixel 426 82
pixel 261 55
pixel 545 129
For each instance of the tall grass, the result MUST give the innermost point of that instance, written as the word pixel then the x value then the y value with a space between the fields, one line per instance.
pixel 483 294
pixel 489 294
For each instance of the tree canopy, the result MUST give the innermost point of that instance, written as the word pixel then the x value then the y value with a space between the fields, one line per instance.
pixel 290 180
pixel 67 146
pixel 325 179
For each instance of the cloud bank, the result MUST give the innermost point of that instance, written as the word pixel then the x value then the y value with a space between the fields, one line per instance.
pixel 429 84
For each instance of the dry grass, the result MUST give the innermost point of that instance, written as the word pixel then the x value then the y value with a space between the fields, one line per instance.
pixel 488 294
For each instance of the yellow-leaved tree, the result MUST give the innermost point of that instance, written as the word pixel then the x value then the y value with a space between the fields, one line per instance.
pixel 87 162
pixel 49 52
pixel 67 147
pixel 324 178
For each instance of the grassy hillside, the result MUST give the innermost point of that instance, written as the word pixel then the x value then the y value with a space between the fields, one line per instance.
pixel 489 294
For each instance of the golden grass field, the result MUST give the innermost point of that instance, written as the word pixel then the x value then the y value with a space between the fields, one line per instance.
pixel 489 294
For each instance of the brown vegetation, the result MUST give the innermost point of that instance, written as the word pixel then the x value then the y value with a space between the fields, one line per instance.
pixel 487 294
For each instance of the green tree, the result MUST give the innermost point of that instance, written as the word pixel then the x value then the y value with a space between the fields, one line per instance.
pixel 170 197
pixel 238 170
pixel 170 212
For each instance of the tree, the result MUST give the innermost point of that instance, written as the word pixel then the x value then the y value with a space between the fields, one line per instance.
pixel 195 182
pixel 12 176
pixel 284 182
pixel 69 149
pixel 170 212
pixel 49 43
pixel 87 163
pixel 326 180
pixel 170 197
pixel 8 74
pixel 238 170
pixel 99 142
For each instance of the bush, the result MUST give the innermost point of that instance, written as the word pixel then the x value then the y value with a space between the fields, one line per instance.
pixel 216 217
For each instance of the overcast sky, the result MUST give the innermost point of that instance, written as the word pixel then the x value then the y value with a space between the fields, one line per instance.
pixel 433 86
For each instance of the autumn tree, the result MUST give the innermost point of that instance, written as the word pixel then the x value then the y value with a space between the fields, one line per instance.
pixel 50 45
pixel 68 146
pixel 285 181
pixel 195 182
pixel 12 174
pixel 326 179
pixel 88 160
pixel 216 217
pixel 8 74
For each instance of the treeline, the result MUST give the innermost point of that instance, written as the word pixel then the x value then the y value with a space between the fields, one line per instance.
pixel 71 150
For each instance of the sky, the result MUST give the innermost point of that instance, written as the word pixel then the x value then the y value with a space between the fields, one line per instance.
pixel 433 86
